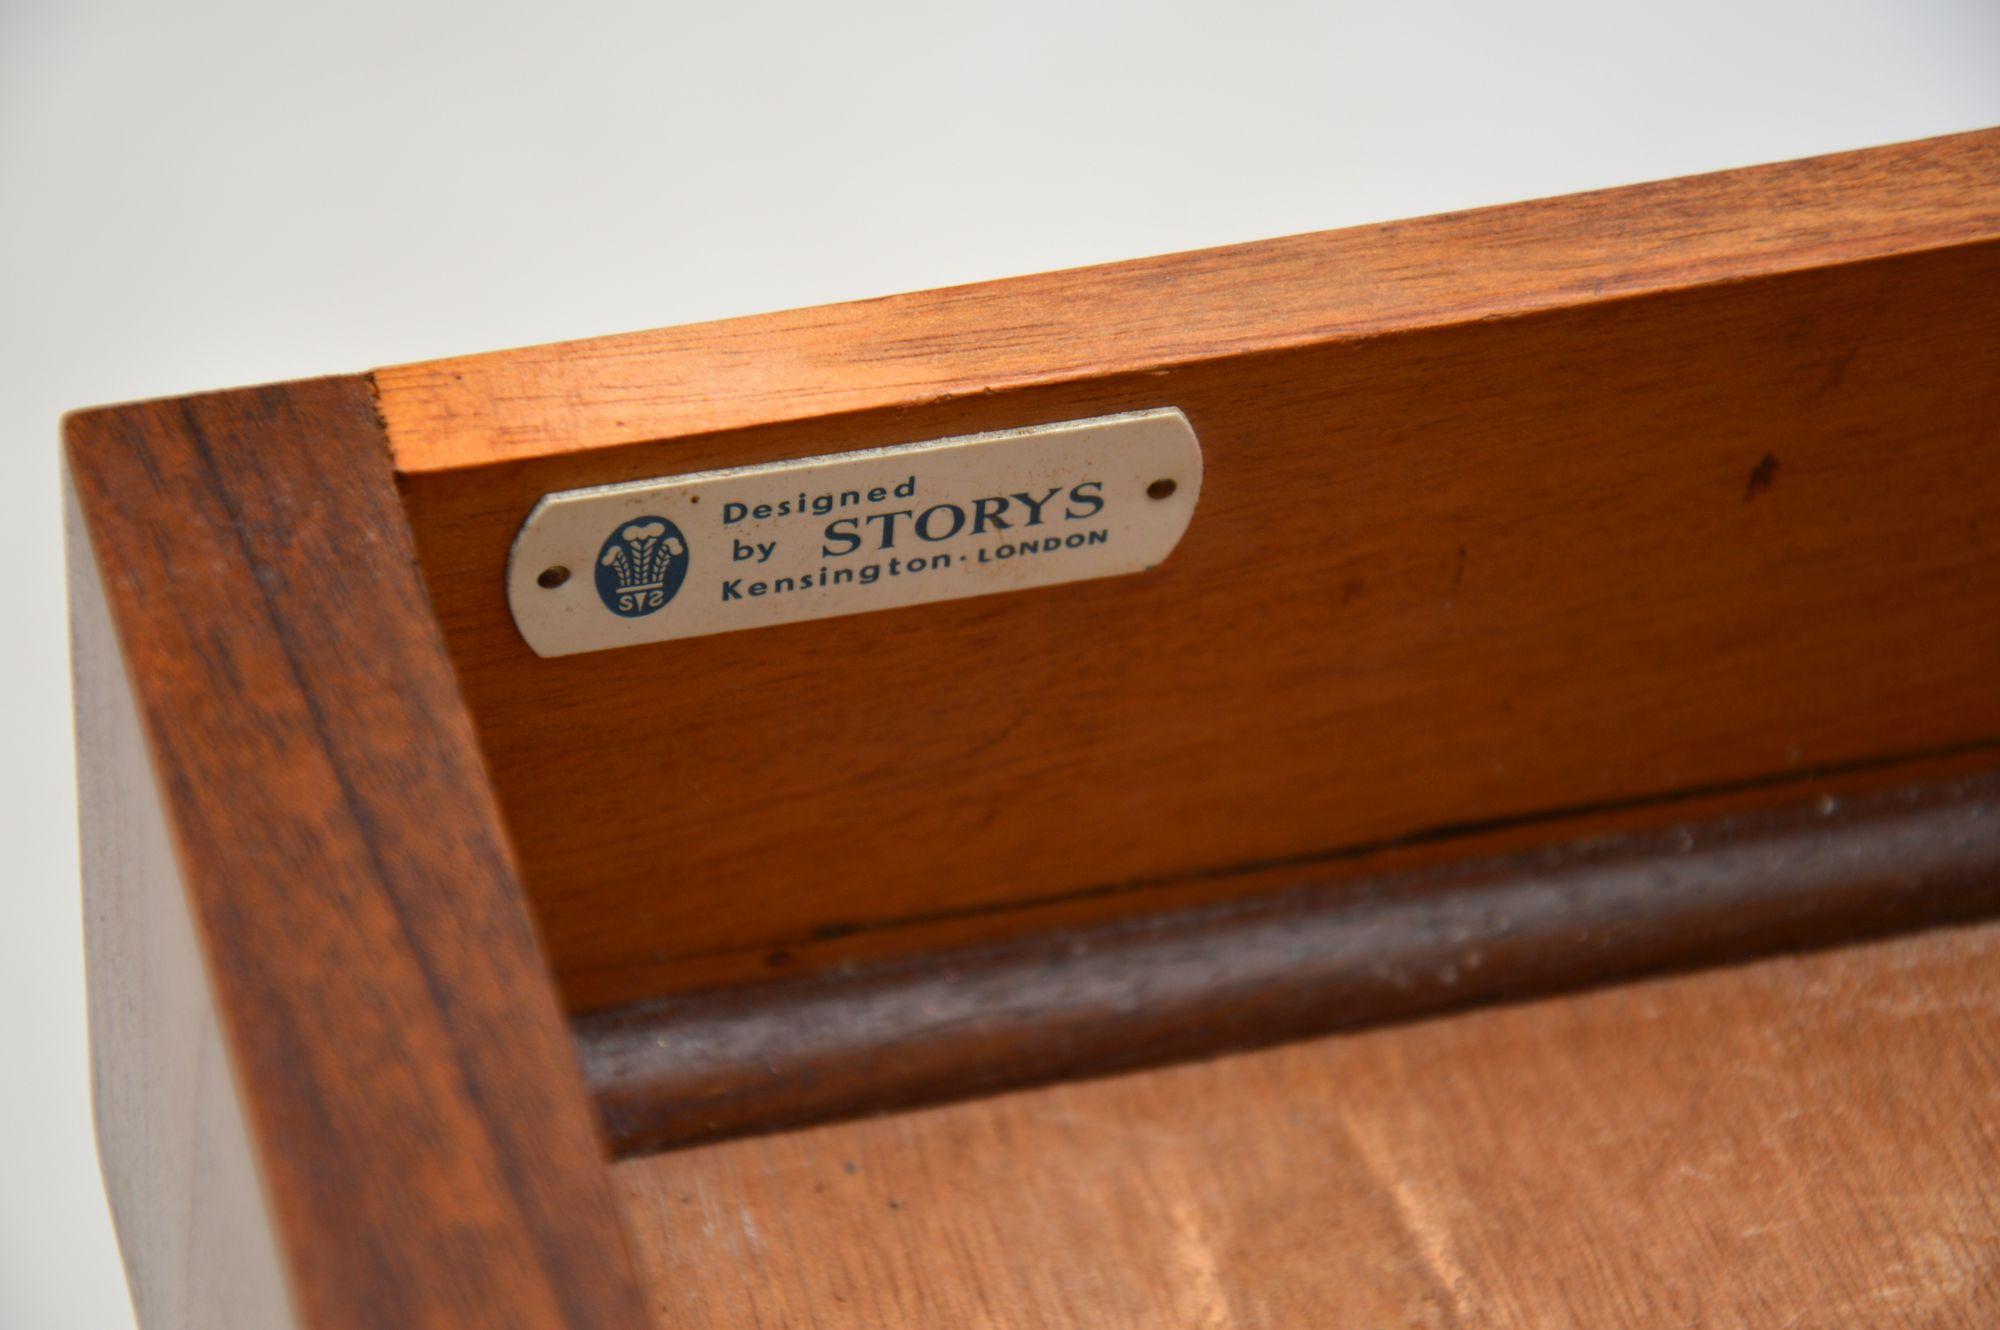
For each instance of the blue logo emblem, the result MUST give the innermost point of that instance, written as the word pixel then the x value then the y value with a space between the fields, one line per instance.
pixel 641 566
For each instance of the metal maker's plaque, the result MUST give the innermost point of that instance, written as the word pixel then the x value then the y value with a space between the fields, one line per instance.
pixel 748 547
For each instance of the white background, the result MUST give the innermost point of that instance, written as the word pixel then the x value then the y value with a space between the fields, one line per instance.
pixel 200 195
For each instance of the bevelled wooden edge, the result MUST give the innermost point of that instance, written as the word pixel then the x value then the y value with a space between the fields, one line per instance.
pixel 511 406
pixel 1200 982
pixel 408 1085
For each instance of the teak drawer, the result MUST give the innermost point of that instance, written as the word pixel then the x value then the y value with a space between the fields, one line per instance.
pixel 1569 591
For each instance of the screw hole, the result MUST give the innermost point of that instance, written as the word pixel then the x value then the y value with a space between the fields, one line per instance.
pixel 552 578
pixel 1161 489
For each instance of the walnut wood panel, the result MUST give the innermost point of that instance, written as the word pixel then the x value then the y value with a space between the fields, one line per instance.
pixel 1283 964
pixel 179 1169
pixel 1806 1144
pixel 411 1101
pixel 1507 513
pixel 804 365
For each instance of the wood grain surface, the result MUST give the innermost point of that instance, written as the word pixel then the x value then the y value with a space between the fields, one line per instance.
pixel 1456 268
pixel 1507 514
pixel 1566 519
pixel 180 1169
pixel 414 1113
pixel 1285 963
pixel 1801 1144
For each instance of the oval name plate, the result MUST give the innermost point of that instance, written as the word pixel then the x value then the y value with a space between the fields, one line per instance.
pixel 749 547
